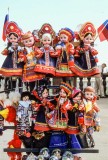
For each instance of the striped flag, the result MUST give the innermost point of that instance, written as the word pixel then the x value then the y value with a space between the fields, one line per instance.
pixel 4 26
pixel 103 31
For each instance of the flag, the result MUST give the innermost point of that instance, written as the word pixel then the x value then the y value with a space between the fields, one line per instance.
pixel 4 26
pixel 103 31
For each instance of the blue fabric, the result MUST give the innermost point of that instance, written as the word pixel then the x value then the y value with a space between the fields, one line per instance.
pixel 58 140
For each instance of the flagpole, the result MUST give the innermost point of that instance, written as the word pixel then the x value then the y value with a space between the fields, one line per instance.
pixel 8 10
pixel 100 31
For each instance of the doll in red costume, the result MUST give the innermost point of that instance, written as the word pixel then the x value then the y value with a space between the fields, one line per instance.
pixel 91 108
pixel 58 118
pixel 85 56
pixel 65 50
pixel 46 55
pixel 29 58
pixel 11 67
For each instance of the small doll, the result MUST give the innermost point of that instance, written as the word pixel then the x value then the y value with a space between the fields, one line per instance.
pixel 58 118
pixel 73 126
pixel 46 55
pixel 53 157
pixel 41 127
pixel 67 155
pixel 57 152
pixel 29 58
pixel 31 156
pixel 91 108
pixel 85 55
pixel 11 67
pixel 65 50
pixel 24 113
pixel 45 152
pixel 40 157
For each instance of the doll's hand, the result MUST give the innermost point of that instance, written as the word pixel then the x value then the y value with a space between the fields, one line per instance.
pixel 10 49
pixel 14 45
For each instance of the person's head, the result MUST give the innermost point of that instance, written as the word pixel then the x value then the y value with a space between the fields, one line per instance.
pixel 104 65
pixel 89 93
pixel 46 39
pixel 28 39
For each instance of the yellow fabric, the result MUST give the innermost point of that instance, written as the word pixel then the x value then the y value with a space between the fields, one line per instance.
pixel 4 113
pixel 88 106
pixel 11 146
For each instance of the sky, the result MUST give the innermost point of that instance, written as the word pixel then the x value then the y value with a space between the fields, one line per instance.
pixel 32 14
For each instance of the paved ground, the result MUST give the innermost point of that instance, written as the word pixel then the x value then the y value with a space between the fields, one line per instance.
pixel 101 138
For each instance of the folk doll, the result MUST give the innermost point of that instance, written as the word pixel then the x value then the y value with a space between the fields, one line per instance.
pixel 73 126
pixel 11 67
pixel 41 127
pixel 85 60
pixel 91 108
pixel 46 56
pixel 67 155
pixel 65 50
pixel 58 118
pixel 29 58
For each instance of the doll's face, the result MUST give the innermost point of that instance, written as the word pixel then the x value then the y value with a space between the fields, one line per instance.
pixel 25 98
pixel 29 42
pixel 12 38
pixel 45 93
pixel 64 38
pixel 62 93
pixel 89 95
pixel 88 39
pixel 46 41
pixel 77 98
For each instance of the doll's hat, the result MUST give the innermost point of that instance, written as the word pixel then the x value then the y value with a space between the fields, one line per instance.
pixel 46 28
pixel 68 32
pixel 89 89
pixel 12 27
pixel 75 92
pixel 26 35
pixel 68 89
pixel 87 27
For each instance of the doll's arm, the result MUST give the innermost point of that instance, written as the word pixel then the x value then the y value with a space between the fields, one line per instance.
pixel 94 52
pixel 66 106
pixel 5 52
pixel 95 107
pixel 38 52
pixel 70 49
pixel 21 57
